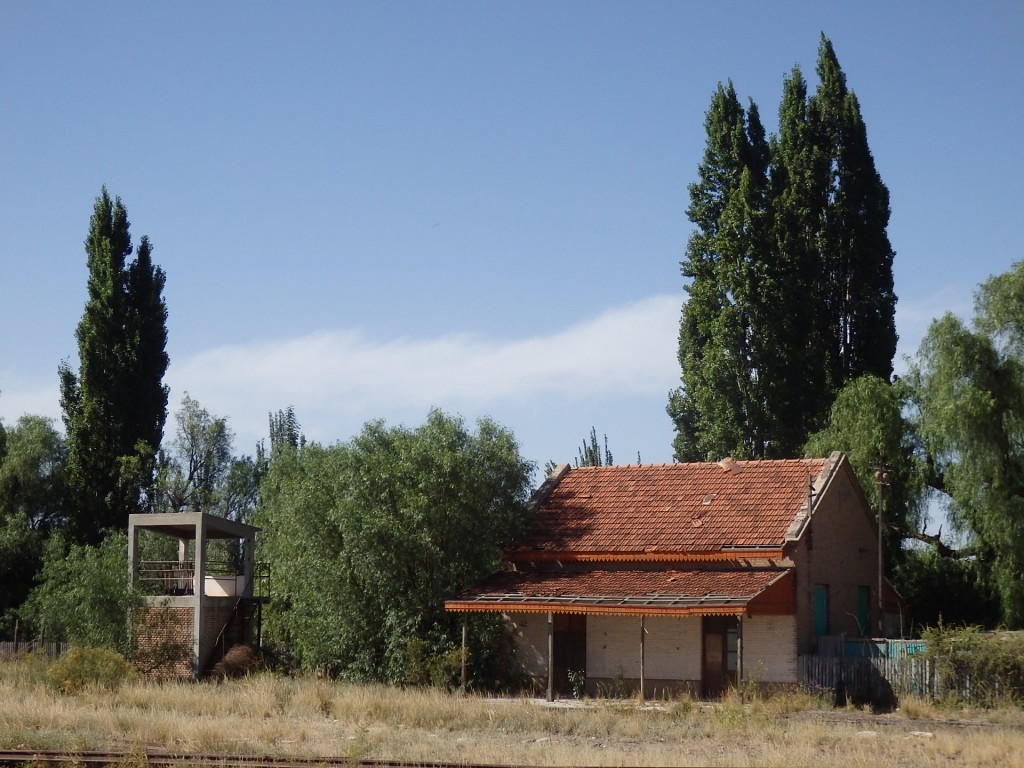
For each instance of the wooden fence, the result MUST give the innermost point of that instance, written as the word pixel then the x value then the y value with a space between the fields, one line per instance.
pixel 51 649
pixel 883 680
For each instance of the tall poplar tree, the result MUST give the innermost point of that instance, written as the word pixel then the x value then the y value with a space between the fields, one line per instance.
pixel 114 408
pixel 852 245
pixel 789 268
pixel 716 344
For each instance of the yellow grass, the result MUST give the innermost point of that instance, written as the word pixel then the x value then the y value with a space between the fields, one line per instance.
pixel 265 714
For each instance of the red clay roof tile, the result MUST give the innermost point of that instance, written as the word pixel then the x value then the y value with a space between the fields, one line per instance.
pixel 672 508
pixel 652 591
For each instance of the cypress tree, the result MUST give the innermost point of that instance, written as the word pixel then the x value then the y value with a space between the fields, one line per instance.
pixel 114 408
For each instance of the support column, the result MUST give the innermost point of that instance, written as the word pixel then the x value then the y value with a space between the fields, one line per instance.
pixel 739 652
pixel 551 656
pixel 465 617
pixel 248 566
pixel 133 580
pixel 133 550
pixel 199 579
pixel 642 633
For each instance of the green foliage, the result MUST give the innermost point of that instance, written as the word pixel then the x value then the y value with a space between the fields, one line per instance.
pixel 989 665
pixel 946 591
pixel 426 664
pixel 867 423
pixel 590 454
pixel 33 500
pixel 84 668
pixel 577 682
pixel 366 539
pixel 198 461
pixel 20 558
pixel 790 272
pixel 83 596
pixel 969 385
pixel 32 481
pixel 951 430
pixel 285 432
pixel 717 408
pixel 115 406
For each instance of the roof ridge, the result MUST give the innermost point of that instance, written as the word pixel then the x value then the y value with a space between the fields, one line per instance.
pixel 708 464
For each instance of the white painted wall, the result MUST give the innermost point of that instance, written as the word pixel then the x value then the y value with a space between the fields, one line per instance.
pixel 531 634
pixel 769 649
pixel 671 647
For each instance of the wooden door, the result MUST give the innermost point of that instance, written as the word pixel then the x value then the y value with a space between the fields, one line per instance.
pixel 570 652
pixel 719 660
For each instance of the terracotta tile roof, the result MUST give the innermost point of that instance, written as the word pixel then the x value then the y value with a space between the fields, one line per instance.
pixel 684 590
pixel 672 508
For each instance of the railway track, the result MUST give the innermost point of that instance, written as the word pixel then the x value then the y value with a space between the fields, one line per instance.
pixel 151 757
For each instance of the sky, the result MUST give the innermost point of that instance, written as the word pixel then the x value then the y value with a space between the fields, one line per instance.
pixel 368 209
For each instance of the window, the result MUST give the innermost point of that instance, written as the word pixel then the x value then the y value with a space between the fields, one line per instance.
pixel 732 646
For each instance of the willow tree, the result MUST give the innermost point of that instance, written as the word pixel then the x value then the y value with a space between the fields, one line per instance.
pixel 115 406
pixel 400 519
pixel 789 272
pixel 969 381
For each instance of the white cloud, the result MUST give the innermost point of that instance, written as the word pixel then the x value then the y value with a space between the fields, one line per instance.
pixel 19 396
pixel 341 378
pixel 612 371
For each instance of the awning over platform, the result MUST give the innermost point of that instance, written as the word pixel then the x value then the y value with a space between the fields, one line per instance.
pixel 688 592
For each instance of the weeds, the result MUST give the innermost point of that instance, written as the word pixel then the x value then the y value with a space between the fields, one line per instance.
pixel 577 682
pixel 308 717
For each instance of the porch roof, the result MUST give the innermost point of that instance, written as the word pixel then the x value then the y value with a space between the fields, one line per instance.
pixel 687 592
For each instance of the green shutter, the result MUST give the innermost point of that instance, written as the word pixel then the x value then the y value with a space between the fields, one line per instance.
pixel 864 609
pixel 821 609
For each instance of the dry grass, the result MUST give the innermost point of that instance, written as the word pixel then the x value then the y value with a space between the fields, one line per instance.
pixel 274 715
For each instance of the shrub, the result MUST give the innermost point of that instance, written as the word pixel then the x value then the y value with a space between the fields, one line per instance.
pixel 239 661
pixel 85 667
pixel 425 666
pixel 981 667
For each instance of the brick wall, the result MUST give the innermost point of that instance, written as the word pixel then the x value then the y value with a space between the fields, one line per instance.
pixel 839 549
pixel 163 641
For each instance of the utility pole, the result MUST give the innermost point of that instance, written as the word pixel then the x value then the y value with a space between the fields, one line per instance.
pixel 882 481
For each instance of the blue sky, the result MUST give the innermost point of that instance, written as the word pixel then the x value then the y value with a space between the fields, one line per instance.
pixel 366 209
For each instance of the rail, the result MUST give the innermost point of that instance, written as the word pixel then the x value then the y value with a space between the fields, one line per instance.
pixel 161 758
pixel 177 577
